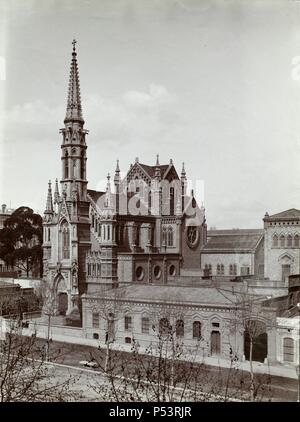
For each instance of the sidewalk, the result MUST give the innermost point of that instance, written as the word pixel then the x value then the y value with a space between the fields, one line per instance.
pixel 259 368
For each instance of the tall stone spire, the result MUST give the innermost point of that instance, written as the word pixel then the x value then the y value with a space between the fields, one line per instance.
pixel 108 192
pixel 74 110
pixel 49 204
pixel 183 173
pixel 73 148
pixel 56 193
pixel 117 173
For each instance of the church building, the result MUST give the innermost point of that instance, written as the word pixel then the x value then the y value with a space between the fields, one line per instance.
pixel 143 229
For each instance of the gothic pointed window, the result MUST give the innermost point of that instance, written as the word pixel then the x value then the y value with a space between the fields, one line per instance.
pixel 275 241
pixel 74 168
pixel 180 328
pixel 289 241
pixel 170 236
pixel 66 165
pixel 164 236
pixel 65 240
pixel 172 201
pixel 82 166
pixel 197 329
pixel 296 241
pixel 282 241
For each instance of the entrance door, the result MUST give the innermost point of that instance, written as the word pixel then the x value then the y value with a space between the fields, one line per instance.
pixel 259 349
pixel 62 303
pixel 286 271
pixel 215 343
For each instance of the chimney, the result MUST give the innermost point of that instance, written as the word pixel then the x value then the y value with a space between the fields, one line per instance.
pixel 3 206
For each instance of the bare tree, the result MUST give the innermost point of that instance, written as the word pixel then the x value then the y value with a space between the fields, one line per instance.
pixel 25 374
pixel 251 320
pixel 167 369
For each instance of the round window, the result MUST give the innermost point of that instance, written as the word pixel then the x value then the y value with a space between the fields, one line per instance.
pixel 139 272
pixel 192 236
pixel 157 272
pixel 172 270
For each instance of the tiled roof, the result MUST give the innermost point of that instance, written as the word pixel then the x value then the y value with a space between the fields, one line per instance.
pixel 95 195
pixel 229 232
pixel 150 170
pixel 292 213
pixel 232 241
pixel 172 294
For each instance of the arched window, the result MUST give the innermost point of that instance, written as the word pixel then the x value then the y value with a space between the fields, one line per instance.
pixel 66 165
pixel 220 269
pixel 296 241
pixel 172 201
pixel 74 168
pixel 275 241
pixel 232 269
pixel 149 202
pixel 282 241
pixel 164 236
pixel 49 235
pixel 289 241
pixel 197 329
pixel 170 236
pixel 164 327
pixel 82 165
pixel 180 328
pixel 65 240
pixel 288 349
pixel 137 235
pixel 108 232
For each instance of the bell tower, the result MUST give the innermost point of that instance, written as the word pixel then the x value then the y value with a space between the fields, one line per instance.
pixel 66 225
pixel 73 148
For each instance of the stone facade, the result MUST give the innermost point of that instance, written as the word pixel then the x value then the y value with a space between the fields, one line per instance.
pixel 143 229
pixel 209 319
pixel 282 244
pixel 232 253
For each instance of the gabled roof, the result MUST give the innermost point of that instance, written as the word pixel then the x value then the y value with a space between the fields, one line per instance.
pixel 150 170
pixel 292 213
pixel 146 293
pixel 232 241
pixel 95 195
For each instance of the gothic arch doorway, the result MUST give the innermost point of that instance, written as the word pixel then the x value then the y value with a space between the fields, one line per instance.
pixel 259 342
pixel 62 303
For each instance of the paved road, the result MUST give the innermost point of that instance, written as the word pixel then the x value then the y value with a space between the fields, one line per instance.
pixel 89 382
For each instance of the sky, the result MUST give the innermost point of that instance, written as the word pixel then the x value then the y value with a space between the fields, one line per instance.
pixel 214 84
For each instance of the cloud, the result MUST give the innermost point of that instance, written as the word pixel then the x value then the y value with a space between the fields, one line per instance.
pixel 135 115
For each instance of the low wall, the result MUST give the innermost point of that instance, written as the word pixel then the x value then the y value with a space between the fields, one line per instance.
pixel 41 330
pixel 24 283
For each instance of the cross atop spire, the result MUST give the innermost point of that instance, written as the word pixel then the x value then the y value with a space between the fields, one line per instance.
pixel 74 42
pixel 74 110
pixel 157 159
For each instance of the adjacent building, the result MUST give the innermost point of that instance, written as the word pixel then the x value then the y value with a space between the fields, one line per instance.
pixel 232 253
pixel 282 244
